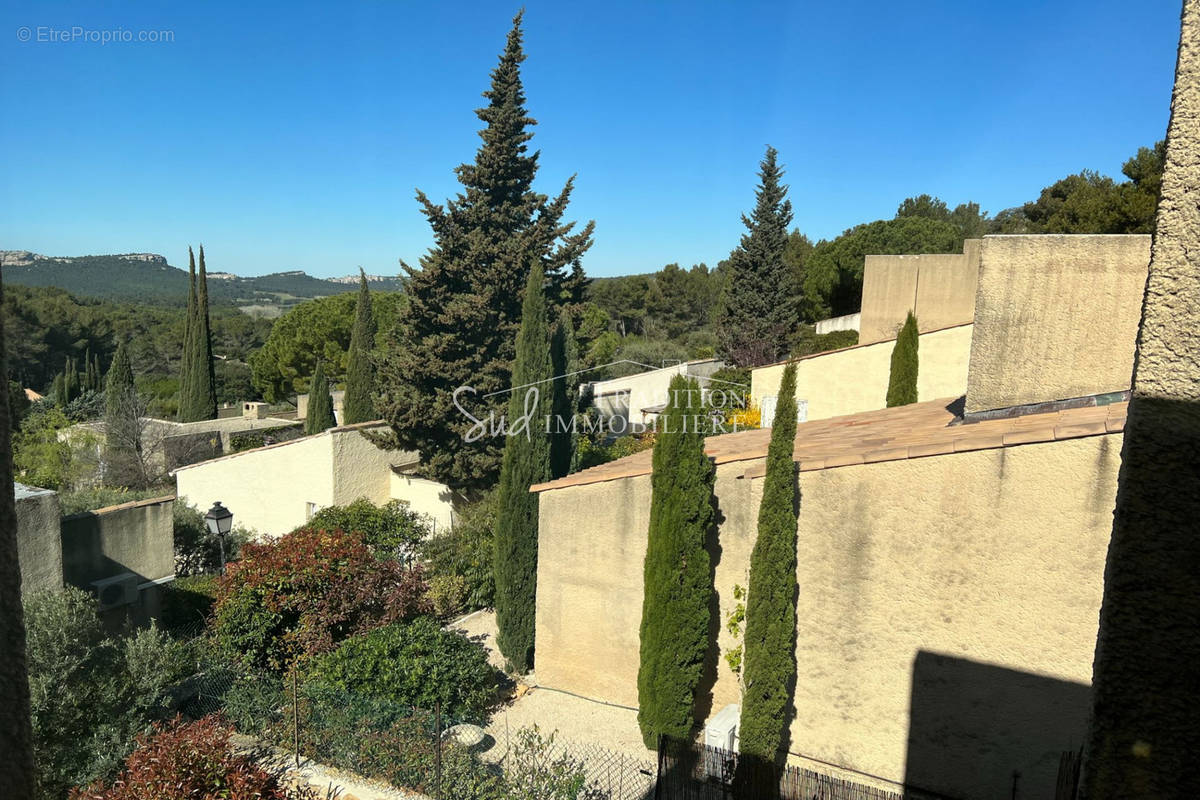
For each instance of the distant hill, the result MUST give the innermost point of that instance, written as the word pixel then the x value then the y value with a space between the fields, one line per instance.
pixel 148 278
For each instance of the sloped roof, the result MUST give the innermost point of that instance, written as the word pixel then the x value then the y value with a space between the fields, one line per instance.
pixel 912 431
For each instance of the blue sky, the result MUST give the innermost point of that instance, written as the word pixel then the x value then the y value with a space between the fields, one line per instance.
pixel 292 136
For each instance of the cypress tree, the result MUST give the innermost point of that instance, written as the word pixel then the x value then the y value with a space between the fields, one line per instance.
pixel 189 327
pixel 122 439
pixel 198 394
pixel 526 462
pixel 564 357
pixel 320 404
pixel 759 308
pixel 769 642
pixel 357 405
pixel 677 579
pixel 902 383
pixel 459 325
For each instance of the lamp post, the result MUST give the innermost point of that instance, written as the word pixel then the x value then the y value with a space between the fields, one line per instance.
pixel 219 521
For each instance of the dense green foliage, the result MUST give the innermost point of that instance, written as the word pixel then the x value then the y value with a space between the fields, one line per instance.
pixel 759 304
pixel 392 530
pixel 197 376
pixel 413 663
pixel 902 380
pixel 526 462
pixel 90 692
pixel 769 646
pixel 359 404
pixel 187 602
pixel 192 760
pixel 305 593
pixel 460 559
pixel 459 326
pixel 318 330
pixel 320 404
pixel 678 582
pixel 42 458
pixel 248 440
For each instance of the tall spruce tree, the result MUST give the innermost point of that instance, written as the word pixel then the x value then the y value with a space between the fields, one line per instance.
pixel 760 306
pixel 320 415
pixel 357 404
pixel 769 642
pixel 526 462
pixel 902 382
pixel 122 424
pixel 677 578
pixel 459 325
pixel 189 328
pixel 564 357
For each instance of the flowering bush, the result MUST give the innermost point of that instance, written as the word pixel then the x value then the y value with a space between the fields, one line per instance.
pixel 392 530
pixel 308 591
pixel 190 760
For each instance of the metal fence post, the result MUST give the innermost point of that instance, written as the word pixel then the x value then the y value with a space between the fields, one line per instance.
pixel 437 759
pixel 295 717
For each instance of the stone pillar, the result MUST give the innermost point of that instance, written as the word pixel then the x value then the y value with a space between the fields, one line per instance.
pixel 1144 739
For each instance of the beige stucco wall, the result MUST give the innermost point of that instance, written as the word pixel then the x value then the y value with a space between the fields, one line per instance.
pixel 948 606
pixel 1056 318
pixel 938 288
pixel 648 389
pixel 360 469
pixel 39 545
pixel 268 489
pixel 434 500
pixel 135 537
pixel 855 379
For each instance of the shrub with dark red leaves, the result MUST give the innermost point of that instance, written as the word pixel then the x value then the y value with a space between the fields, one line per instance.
pixel 191 761
pixel 308 591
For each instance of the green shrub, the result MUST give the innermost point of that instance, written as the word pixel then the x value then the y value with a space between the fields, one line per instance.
pixel 90 693
pixel 465 552
pixel 446 594
pixel 537 772
pixel 807 341
pixel 248 440
pixel 411 664
pixel 94 497
pixel 902 382
pixel 393 529
pixel 188 601
pixel 305 593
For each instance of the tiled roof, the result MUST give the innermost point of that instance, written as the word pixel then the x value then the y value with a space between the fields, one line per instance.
pixel 913 431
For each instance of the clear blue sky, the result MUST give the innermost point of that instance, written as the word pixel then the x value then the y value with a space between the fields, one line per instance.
pixel 293 135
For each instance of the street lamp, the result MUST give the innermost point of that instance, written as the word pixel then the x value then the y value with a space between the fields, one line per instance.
pixel 219 521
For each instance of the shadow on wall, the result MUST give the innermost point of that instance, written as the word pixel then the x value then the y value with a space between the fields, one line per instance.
pixel 976 728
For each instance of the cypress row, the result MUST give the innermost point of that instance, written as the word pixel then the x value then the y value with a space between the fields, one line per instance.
pixel 769 660
pixel 526 461
pixel 198 392
pixel 357 405
pixel 564 357
pixel 677 578
pixel 902 384
pixel 320 404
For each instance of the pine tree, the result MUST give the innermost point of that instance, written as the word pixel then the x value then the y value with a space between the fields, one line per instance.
pixel 760 308
pixel 902 383
pixel 526 462
pixel 677 579
pixel 189 328
pixel 769 642
pixel 122 427
pixel 459 326
pixel 357 405
pixel 320 404
pixel 564 357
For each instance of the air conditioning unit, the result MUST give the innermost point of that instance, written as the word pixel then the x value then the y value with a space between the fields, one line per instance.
pixel 119 590
pixel 720 742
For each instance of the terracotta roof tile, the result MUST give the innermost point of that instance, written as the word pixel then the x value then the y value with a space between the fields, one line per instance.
pixel 913 431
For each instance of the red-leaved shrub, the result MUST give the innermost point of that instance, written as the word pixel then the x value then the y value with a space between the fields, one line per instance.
pixel 191 761
pixel 306 592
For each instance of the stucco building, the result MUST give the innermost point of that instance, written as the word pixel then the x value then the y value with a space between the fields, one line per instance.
pixel 632 403
pixel 950 553
pixel 274 489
